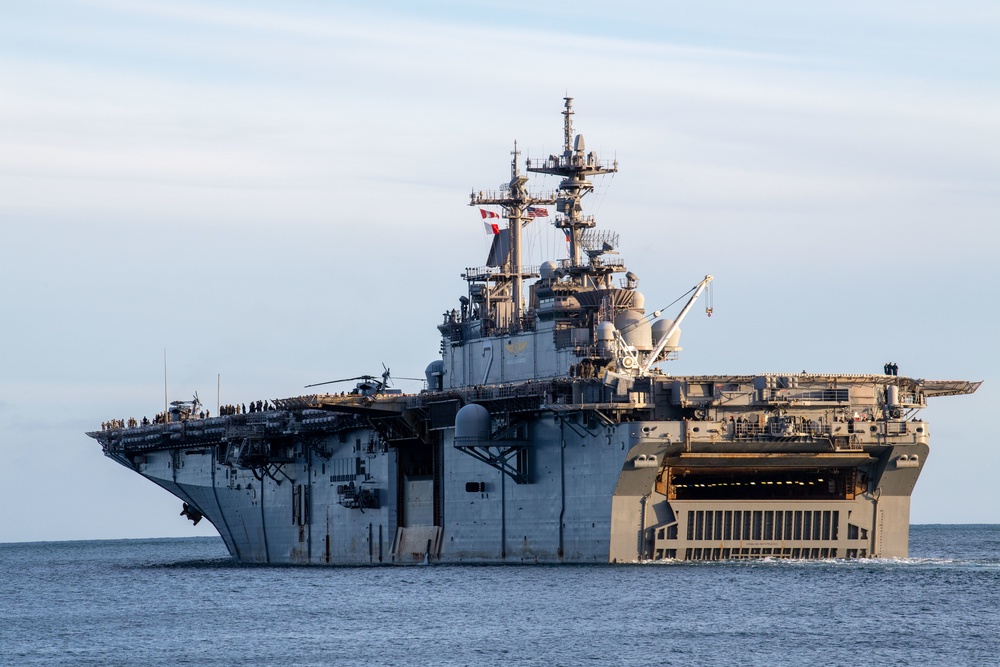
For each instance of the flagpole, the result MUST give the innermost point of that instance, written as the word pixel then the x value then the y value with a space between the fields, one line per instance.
pixel 165 408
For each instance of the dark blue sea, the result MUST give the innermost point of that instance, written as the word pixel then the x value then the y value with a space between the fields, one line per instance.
pixel 184 602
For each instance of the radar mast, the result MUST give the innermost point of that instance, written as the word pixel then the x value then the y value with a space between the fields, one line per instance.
pixel 516 200
pixel 575 165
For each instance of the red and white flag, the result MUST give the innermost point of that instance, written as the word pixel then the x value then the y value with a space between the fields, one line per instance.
pixel 492 227
pixel 488 214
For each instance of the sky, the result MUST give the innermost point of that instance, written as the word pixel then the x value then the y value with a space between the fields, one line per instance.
pixel 274 194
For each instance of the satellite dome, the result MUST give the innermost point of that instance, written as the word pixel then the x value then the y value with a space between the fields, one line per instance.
pixel 605 339
pixel 635 329
pixel 660 327
pixel 605 331
pixel 472 424
pixel 435 375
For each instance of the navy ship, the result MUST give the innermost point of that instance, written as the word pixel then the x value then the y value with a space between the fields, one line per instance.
pixel 549 432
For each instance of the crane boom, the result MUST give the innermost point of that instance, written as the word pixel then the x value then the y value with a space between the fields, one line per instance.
pixel 651 359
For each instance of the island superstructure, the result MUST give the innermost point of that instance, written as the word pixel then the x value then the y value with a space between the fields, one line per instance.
pixel 548 432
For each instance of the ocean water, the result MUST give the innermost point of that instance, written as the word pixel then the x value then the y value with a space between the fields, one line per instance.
pixel 184 602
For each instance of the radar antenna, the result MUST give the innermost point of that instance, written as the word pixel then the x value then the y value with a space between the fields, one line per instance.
pixel 575 165
pixel 518 204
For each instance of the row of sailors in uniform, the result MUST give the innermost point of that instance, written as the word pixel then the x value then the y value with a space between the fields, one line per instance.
pixel 587 370
pixel 132 422
pixel 241 408
pixel 162 418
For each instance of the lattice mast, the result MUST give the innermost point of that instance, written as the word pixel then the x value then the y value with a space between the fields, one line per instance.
pixel 515 198
pixel 575 165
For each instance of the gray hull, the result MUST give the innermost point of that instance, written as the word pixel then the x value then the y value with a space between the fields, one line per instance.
pixel 344 480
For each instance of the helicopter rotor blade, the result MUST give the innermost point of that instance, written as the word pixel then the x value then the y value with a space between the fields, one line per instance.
pixel 367 378
pixel 360 377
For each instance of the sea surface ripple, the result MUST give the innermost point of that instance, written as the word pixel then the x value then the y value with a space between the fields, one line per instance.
pixel 185 602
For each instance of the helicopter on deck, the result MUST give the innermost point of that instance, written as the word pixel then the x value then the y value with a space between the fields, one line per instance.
pixel 369 385
pixel 184 410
